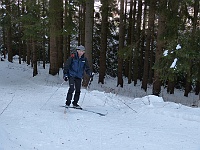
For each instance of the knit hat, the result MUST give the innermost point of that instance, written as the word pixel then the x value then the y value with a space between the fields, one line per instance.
pixel 81 47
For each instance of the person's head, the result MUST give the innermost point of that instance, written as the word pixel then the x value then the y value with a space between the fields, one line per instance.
pixel 81 50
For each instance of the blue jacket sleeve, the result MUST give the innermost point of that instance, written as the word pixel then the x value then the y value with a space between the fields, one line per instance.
pixel 66 67
pixel 87 68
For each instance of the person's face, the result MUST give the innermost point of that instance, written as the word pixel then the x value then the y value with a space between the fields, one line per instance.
pixel 80 52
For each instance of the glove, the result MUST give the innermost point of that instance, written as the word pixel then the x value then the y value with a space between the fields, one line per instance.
pixel 91 76
pixel 65 78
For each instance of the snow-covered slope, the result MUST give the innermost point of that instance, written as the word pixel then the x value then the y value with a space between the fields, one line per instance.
pixel 31 116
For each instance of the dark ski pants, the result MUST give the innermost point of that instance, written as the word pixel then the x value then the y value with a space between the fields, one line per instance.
pixel 74 84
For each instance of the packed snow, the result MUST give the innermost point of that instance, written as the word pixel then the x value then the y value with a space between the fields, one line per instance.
pixel 31 116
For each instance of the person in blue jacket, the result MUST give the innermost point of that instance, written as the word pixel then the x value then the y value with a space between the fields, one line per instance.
pixel 73 71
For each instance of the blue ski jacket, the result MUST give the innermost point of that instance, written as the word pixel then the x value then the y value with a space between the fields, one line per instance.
pixel 75 66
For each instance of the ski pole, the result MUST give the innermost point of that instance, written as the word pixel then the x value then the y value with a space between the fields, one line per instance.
pixel 88 86
pixel 52 94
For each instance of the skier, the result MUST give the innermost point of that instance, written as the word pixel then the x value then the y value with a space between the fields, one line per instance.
pixel 73 71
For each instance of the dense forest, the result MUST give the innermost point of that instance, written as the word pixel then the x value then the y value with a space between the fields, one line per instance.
pixel 156 42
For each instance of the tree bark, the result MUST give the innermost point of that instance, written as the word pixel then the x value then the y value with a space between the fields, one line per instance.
pixel 82 10
pixel 160 47
pixel 89 21
pixel 170 87
pixel 35 72
pixel 28 43
pixel 188 85
pixel 60 31
pixel 103 49
pixel 138 43
pixel 54 37
pixel 121 45
pixel 9 32
pixel 196 10
pixel 148 44
pixel 133 37
pixel 130 59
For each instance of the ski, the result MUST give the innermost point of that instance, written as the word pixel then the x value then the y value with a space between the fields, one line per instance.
pixel 101 114
pixel 83 109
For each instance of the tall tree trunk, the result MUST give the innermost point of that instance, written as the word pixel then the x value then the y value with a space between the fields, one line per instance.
pixel 89 21
pixel 64 34
pixel 28 42
pixel 130 59
pixel 24 42
pixel 197 88
pixel 133 37
pixel 151 60
pixel 66 37
pixel 54 64
pixel 8 31
pixel 121 45
pixel 104 31
pixel 138 43
pixel 188 85
pixel 60 36
pixel 53 54
pixel 126 63
pixel 160 46
pixel 196 11
pixel 173 6
pixel 4 38
pixel 20 48
pixel 44 38
pixel 170 87
pixel 82 10
pixel 43 52
pixel 3 32
pixel 35 72
pixel 148 44
pixel 143 42
pixel 24 59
